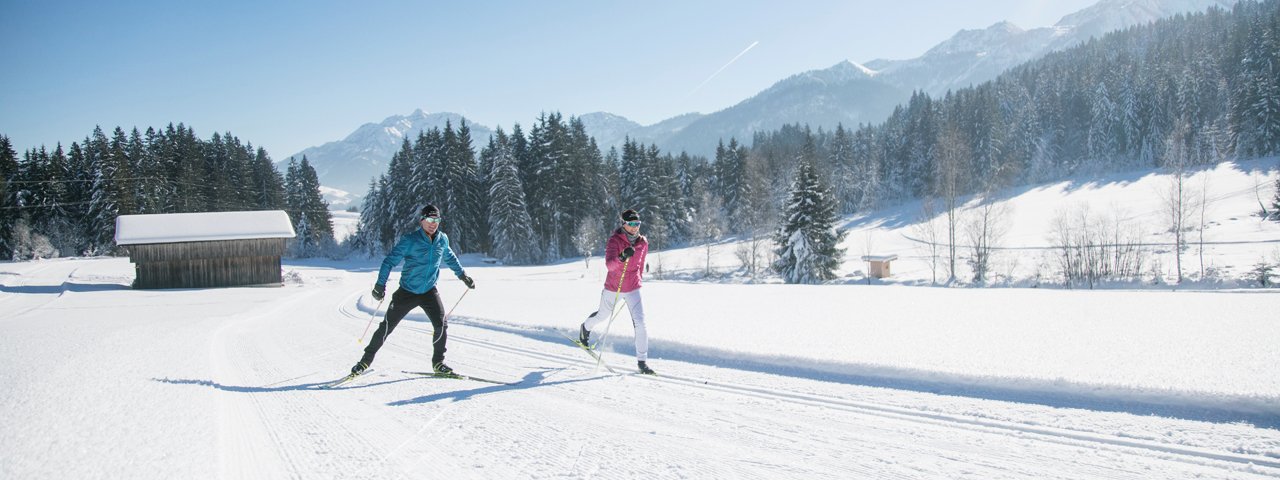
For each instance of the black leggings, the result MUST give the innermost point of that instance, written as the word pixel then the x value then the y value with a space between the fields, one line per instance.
pixel 402 301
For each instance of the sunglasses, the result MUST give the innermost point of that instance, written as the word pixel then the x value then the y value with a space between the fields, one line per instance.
pixel 633 223
pixel 432 219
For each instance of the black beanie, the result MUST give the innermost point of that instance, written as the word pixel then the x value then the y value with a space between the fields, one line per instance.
pixel 630 215
pixel 430 211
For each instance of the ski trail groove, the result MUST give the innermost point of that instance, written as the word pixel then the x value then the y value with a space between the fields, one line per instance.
pixel 1186 454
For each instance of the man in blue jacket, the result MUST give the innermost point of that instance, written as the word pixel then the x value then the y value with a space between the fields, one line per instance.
pixel 422 251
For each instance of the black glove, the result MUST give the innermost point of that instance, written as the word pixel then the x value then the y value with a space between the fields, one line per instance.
pixel 626 253
pixel 379 291
pixel 468 281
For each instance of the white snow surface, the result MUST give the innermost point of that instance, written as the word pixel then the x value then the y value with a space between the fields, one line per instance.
pixel 756 380
pixel 205 226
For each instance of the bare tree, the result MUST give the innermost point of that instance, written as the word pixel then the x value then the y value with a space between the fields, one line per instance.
pixel 927 231
pixel 708 224
pixel 1204 205
pixel 986 227
pixel 1178 197
pixel 1092 248
pixel 949 165
pixel 764 203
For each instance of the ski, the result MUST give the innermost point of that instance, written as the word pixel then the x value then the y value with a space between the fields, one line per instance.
pixel 590 351
pixel 458 377
pixel 345 380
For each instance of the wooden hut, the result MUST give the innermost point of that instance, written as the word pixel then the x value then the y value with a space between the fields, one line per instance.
pixel 879 265
pixel 201 250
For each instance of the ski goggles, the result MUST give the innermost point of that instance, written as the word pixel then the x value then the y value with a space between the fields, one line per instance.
pixel 431 219
pixel 633 223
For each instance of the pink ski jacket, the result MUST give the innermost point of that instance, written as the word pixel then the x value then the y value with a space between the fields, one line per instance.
pixel 635 266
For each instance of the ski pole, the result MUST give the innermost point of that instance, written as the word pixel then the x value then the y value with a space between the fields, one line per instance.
pixel 614 314
pixel 371 317
pixel 444 323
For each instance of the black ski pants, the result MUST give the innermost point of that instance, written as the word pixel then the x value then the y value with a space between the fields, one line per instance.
pixel 402 301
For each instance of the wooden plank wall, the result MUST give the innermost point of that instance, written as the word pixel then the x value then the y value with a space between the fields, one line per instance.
pixel 222 263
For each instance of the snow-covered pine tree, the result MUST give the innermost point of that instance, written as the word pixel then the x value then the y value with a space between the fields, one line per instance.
pixel 304 244
pixel 121 184
pixel 191 174
pixel 103 206
pixel 268 185
pixel 807 242
pixel 305 204
pixel 580 194
pixel 8 195
pixel 459 200
pixel 365 239
pixel 315 206
pixel 478 201
pixel 732 184
pixel 136 155
pixel 844 179
pixel 510 228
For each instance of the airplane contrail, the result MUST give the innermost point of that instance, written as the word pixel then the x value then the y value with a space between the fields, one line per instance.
pixel 704 82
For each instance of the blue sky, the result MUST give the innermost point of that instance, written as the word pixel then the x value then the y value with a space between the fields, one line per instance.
pixel 287 75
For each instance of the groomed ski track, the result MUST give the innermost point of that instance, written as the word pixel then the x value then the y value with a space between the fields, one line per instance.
pixel 234 388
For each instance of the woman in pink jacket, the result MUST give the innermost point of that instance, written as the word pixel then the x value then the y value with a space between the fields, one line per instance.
pixel 626 248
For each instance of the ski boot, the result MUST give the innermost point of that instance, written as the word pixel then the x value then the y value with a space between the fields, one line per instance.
pixel 644 368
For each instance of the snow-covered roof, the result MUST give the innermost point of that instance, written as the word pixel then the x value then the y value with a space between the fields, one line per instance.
pixel 879 258
pixel 205 226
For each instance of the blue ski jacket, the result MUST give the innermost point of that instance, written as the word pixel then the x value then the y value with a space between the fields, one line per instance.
pixel 422 258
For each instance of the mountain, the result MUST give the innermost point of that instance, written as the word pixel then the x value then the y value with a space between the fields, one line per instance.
pixel 611 130
pixel 971 57
pixel 850 93
pixel 347 165
pixel 608 129
pixel 847 93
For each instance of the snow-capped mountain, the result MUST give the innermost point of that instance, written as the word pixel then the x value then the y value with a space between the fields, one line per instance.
pixel 1110 15
pixel 848 93
pixel 611 130
pixel 608 129
pixel 350 163
pixel 971 57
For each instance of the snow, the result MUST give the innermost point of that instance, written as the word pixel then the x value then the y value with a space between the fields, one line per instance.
pixel 344 224
pixel 756 380
pixel 1235 238
pixel 863 68
pixel 196 227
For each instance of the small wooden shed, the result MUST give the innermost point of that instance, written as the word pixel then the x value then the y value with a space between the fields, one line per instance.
pixel 202 250
pixel 879 267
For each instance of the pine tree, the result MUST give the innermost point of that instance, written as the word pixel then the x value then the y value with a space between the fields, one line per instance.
pixel 510 227
pixel 267 185
pixel 733 185
pixel 808 243
pixel 459 201
pixel 307 208
pixel 103 206
pixel 367 238
pixel 844 178
pixel 8 195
